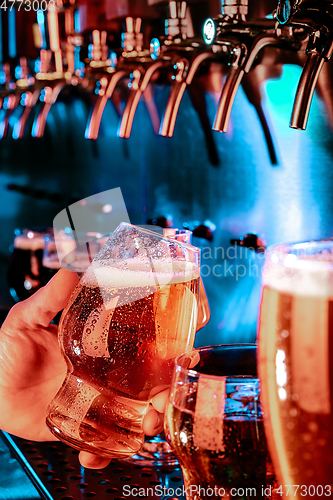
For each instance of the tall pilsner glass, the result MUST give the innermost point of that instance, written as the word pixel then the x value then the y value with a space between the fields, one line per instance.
pixel 133 312
pixel 296 366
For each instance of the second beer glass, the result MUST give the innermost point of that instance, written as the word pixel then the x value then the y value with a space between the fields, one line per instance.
pixel 132 313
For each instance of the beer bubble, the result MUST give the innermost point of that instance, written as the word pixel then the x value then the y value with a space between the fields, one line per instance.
pixel 307 456
pixel 290 425
pixel 294 471
pixel 313 426
pixel 322 442
pixel 290 454
pixel 306 437
pixel 293 412
pixel 285 333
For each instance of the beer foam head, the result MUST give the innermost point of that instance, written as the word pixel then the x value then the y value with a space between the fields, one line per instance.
pixel 135 273
pixel 304 269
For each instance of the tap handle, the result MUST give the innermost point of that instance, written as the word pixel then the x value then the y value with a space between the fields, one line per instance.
pixel 176 22
pixel 132 38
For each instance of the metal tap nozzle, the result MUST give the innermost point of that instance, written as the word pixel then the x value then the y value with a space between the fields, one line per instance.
pixel 132 60
pixel 316 18
pixel 64 74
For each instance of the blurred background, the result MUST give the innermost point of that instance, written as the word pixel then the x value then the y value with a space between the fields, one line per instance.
pixel 260 176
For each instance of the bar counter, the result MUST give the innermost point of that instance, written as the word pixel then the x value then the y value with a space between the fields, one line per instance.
pixel 51 470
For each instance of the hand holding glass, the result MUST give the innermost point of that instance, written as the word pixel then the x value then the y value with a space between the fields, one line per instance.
pixel 133 312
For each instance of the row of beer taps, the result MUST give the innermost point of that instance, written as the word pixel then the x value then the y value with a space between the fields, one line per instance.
pixel 297 31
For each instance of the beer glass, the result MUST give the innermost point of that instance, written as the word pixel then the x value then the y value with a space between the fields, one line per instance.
pixel 70 252
pixel 132 313
pixel 214 423
pixel 295 347
pixel 25 264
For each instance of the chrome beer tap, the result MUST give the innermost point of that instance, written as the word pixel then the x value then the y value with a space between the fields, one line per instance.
pixel 63 70
pixel 133 62
pixel 243 40
pixel 24 80
pixel 316 18
pixel 185 54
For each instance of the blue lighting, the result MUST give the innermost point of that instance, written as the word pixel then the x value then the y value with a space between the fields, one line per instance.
pixel 1 51
pixel 209 31
pixel 155 48
pixel 41 25
pixel 12 33
pixel 77 21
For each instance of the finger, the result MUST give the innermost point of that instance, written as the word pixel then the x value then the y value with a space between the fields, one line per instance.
pixel 157 389
pixel 159 401
pixel 153 423
pixel 41 308
pixel 90 461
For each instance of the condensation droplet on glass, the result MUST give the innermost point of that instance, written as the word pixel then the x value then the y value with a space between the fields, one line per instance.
pixel 306 437
pixel 313 426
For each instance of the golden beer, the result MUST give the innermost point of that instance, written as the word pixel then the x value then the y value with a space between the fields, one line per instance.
pixel 295 362
pixel 120 333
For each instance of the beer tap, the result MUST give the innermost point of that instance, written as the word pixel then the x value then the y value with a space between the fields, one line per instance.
pixel 243 40
pixel 112 73
pixel 316 18
pixel 185 54
pixel 134 62
pixel 12 101
pixel 65 71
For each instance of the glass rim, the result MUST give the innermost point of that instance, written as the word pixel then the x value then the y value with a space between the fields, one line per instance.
pixel 293 254
pixel 194 373
pixel 160 236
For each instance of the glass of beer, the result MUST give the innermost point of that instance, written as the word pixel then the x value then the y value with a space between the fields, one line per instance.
pixel 295 347
pixel 133 312
pixel 24 274
pixel 214 423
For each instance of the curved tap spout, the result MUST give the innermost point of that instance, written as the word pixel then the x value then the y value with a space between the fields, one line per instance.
pixel 186 69
pixel 21 124
pixel 107 88
pixel 305 91
pixel 141 79
pixel 50 96
pixel 317 19
pixel 245 57
pixel 11 103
